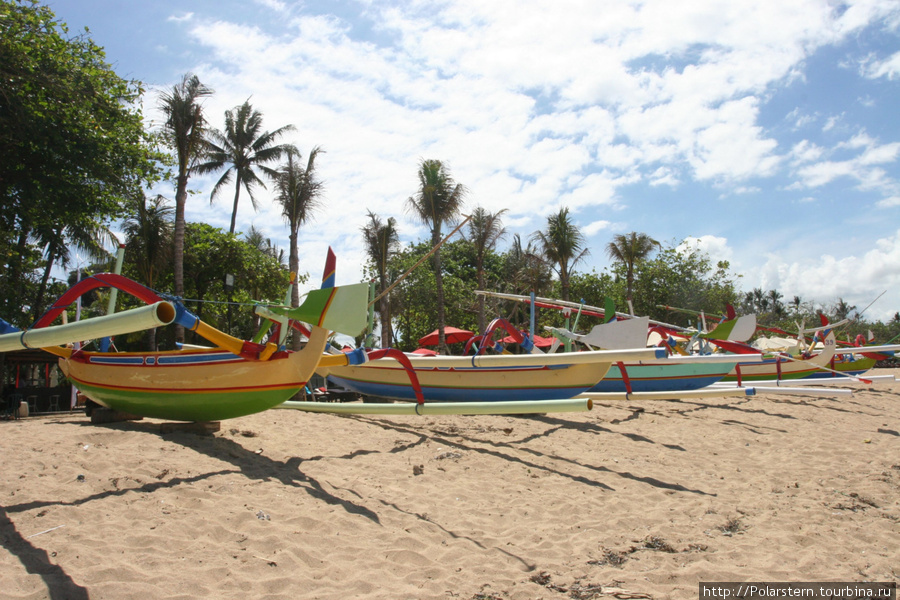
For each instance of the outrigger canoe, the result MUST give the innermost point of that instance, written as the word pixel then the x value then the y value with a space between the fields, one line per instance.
pixel 480 378
pixel 779 366
pixel 233 379
pixel 673 375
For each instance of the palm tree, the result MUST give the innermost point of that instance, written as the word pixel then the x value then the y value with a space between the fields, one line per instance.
pixel 92 238
pixel 299 192
pixel 183 130
pixel 382 242
pixel 244 146
pixel 629 250
pixel 148 241
pixel 148 236
pixel 562 244
pixel 842 309
pixel 527 269
pixel 258 240
pixel 485 230
pixel 775 302
pixel 438 201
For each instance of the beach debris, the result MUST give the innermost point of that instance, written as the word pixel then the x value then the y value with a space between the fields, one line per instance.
pixel 269 561
pixel 731 527
pixel 80 478
pixel 577 590
pixel 243 432
pixel 418 469
pixel 654 542
pixel 450 454
pixel 43 532
pixel 611 558
pixel 263 516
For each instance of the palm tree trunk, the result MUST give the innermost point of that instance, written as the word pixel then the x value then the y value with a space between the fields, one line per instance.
pixel 384 311
pixel 294 266
pixel 481 319
pixel 178 254
pixel 564 281
pixel 439 285
pixel 237 196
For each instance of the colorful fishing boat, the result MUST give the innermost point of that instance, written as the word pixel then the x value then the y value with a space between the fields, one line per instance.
pixel 671 376
pixel 480 378
pixel 782 366
pixel 233 379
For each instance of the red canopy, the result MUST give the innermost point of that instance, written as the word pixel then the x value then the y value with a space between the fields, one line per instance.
pixel 424 352
pixel 540 342
pixel 452 334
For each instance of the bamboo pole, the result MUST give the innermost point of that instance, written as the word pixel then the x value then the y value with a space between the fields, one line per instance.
pixel 137 319
pixel 443 408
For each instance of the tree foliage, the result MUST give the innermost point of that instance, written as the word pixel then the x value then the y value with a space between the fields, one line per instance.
pixel 72 141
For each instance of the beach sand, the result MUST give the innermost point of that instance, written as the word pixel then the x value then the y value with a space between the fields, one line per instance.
pixel 629 500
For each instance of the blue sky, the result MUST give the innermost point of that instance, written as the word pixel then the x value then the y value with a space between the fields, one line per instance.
pixel 767 131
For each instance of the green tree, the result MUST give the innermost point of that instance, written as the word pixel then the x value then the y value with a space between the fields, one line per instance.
pixel 416 295
pixel 210 253
pixel 257 239
pixel 72 141
pixel 242 147
pixel 563 245
pixel 382 241
pixel 682 278
pixel 485 230
pixel 183 131
pixel 437 202
pixel 628 250
pixel 842 309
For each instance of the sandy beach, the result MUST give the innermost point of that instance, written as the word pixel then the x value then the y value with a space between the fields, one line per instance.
pixel 629 500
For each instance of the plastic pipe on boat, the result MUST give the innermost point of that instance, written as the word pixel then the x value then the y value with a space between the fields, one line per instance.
pixel 136 319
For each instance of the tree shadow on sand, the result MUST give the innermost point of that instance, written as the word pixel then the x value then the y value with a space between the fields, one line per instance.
pixel 36 560
pixel 60 585
pixel 254 465
pixel 498 447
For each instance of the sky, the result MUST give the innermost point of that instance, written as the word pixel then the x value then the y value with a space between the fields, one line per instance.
pixel 767 132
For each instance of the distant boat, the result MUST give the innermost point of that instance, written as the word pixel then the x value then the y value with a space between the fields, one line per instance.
pixel 495 378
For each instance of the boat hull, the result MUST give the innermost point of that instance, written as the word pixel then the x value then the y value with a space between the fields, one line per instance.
pixel 854 367
pixel 663 377
pixel 465 383
pixel 781 368
pixel 191 385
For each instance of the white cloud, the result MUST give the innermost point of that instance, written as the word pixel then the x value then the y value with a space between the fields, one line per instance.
pixel 715 247
pixel 595 227
pixel 888 68
pixel 541 105
pixel 184 17
pixel 858 278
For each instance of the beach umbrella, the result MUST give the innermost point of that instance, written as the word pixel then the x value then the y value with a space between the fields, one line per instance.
pixel 424 352
pixel 452 334
pixel 539 341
